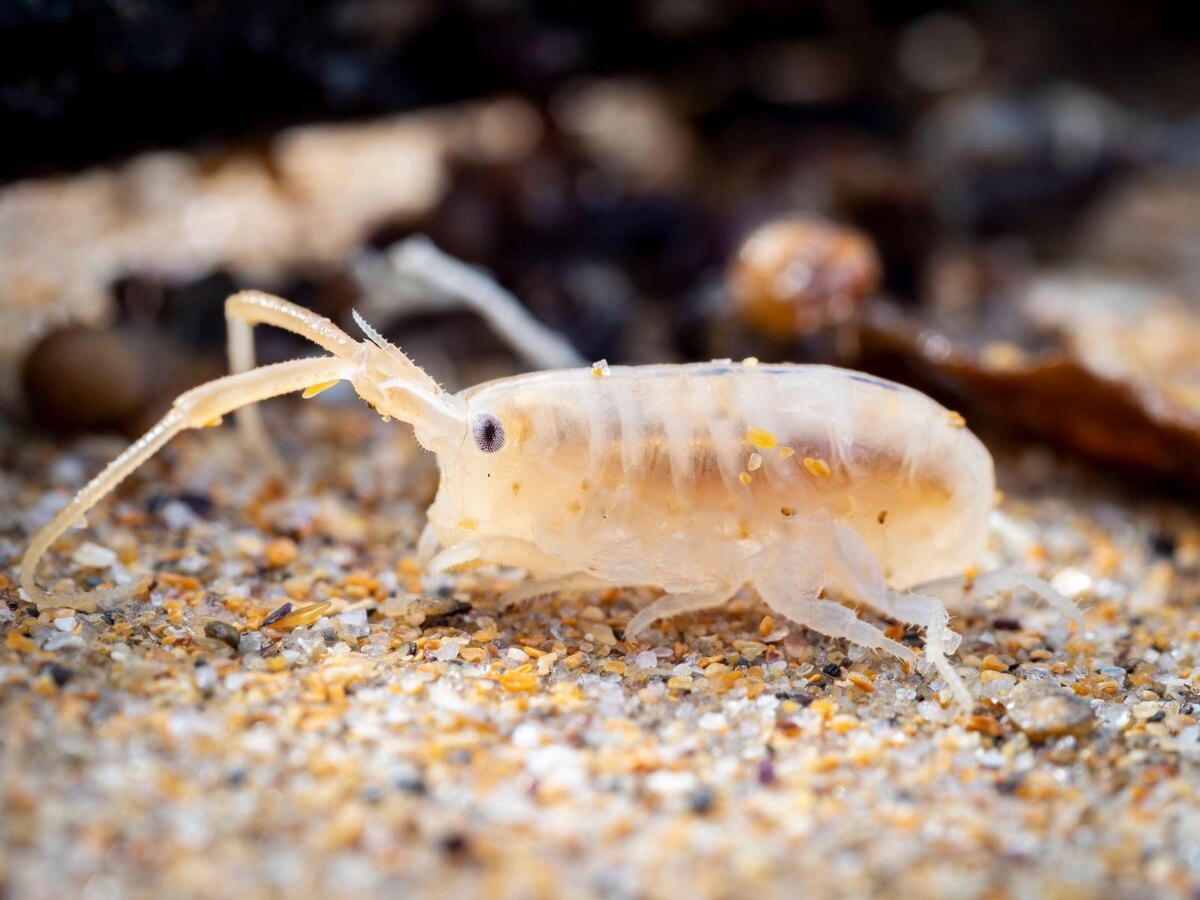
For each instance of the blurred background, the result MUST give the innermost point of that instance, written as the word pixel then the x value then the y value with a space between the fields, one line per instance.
pixel 999 203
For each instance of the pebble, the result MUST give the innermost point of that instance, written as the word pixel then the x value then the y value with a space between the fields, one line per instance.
pixel 223 632
pixel 796 275
pixel 86 379
pixel 93 556
pixel 281 552
pixel 437 609
pixel 1043 711
pixel 177 515
pixel 599 631
pixel 279 613
pixel 713 721
pixel 61 674
pixel 646 660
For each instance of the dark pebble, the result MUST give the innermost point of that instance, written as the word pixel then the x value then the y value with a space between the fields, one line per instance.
pixel 702 801
pixel 199 504
pixel 833 670
pixel 795 696
pixel 455 844
pixel 60 674
pixel 766 772
pixel 277 614
pixel 1163 545
pixel 223 632
pixel 1006 625
pixel 412 784
pixel 1009 785
pixel 440 607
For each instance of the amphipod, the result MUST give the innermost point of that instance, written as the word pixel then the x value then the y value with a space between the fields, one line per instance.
pixel 698 480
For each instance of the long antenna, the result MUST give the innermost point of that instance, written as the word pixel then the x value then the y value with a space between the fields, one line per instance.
pixel 417 263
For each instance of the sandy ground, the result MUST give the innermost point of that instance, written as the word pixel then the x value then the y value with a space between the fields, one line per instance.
pixel 392 733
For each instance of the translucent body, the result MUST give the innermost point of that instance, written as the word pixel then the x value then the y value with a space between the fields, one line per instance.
pixel 700 480
pixel 647 475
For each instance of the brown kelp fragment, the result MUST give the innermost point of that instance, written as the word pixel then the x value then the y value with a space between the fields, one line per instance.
pixel 1118 382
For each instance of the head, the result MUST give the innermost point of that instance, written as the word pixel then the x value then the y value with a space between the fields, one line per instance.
pixel 477 435
pixel 490 478
pixel 398 388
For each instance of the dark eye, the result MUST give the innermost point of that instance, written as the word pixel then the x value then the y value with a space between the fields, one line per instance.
pixel 488 432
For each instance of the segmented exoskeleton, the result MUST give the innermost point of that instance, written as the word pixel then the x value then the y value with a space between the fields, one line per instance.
pixel 698 480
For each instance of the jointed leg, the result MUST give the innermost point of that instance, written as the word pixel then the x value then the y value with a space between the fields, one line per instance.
pixel 543 587
pixel 204 405
pixel 789 583
pixel 836 621
pixel 956 589
pixel 518 554
pixel 500 551
pixel 853 567
pixel 460 556
pixel 674 605
pixel 936 653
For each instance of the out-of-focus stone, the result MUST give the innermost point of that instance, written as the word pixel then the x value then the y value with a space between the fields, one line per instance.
pixel 82 378
pixel 796 275
pixel 1045 711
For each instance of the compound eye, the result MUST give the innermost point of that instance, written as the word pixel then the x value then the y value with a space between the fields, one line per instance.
pixel 488 432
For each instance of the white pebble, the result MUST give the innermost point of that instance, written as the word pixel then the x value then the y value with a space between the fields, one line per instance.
pixel 93 556
pixel 354 617
pixel 206 678
pixel 1071 582
pixel 177 515
pixel 516 655
pixel 646 660
pixel 527 734
pixel 65 623
pixel 931 711
pixel 447 650
pixel 62 640
pixel 68 470
pixel 671 783
pixel 713 721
